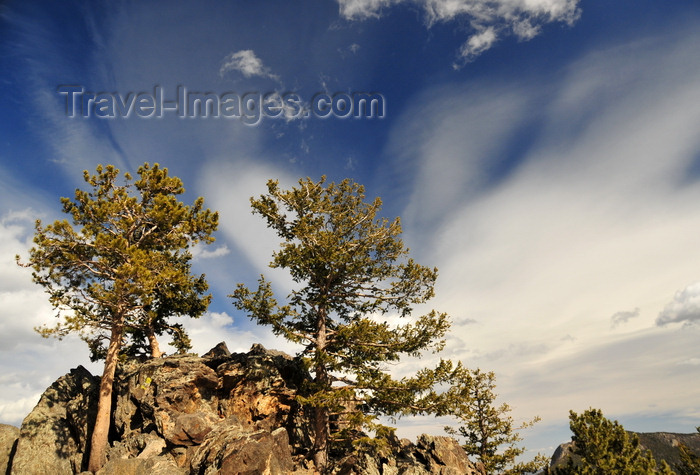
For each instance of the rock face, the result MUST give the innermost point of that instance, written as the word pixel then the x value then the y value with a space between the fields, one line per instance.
pixel 561 455
pixel 8 444
pixel 220 413
pixel 431 455
pixel 54 436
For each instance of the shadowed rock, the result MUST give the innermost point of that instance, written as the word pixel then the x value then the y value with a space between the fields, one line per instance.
pixel 54 437
pixel 219 351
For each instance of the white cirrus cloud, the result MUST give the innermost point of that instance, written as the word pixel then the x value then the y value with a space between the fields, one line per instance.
pixel 595 215
pixel 491 20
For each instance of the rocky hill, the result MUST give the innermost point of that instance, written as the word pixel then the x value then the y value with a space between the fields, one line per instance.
pixel 219 413
pixel 663 447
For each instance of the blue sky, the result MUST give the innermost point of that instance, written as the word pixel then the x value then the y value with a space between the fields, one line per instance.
pixel 543 154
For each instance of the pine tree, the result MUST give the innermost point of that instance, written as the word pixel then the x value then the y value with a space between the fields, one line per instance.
pixel 121 270
pixel 690 462
pixel 487 429
pixel 604 447
pixel 352 271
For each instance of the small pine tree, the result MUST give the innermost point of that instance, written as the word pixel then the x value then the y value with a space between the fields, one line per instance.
pixel 605 448
pixel 487 429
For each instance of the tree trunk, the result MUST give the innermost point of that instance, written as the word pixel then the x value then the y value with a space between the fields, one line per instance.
pixel 320 413
pixel 153 342
pixel 321 429
pixel 100 433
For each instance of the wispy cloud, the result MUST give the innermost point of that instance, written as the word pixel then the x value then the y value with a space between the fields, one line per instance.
pixel 646 372
pixel 478 43
pixel 363 9
pixel 623 317
pixel 74 142
pixel 691 362
pixel 202 252
pixel 246 63
pixel 491 20
pixel 597 213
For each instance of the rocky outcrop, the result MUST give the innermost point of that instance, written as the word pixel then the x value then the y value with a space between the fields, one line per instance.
pixel 431 455
pixel 231 450
pixel 220 413
pixel 562 454
pixel 445 456
pixel 54 436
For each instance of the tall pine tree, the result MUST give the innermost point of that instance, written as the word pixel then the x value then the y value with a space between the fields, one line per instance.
pixel 122 269
pixel 352 272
